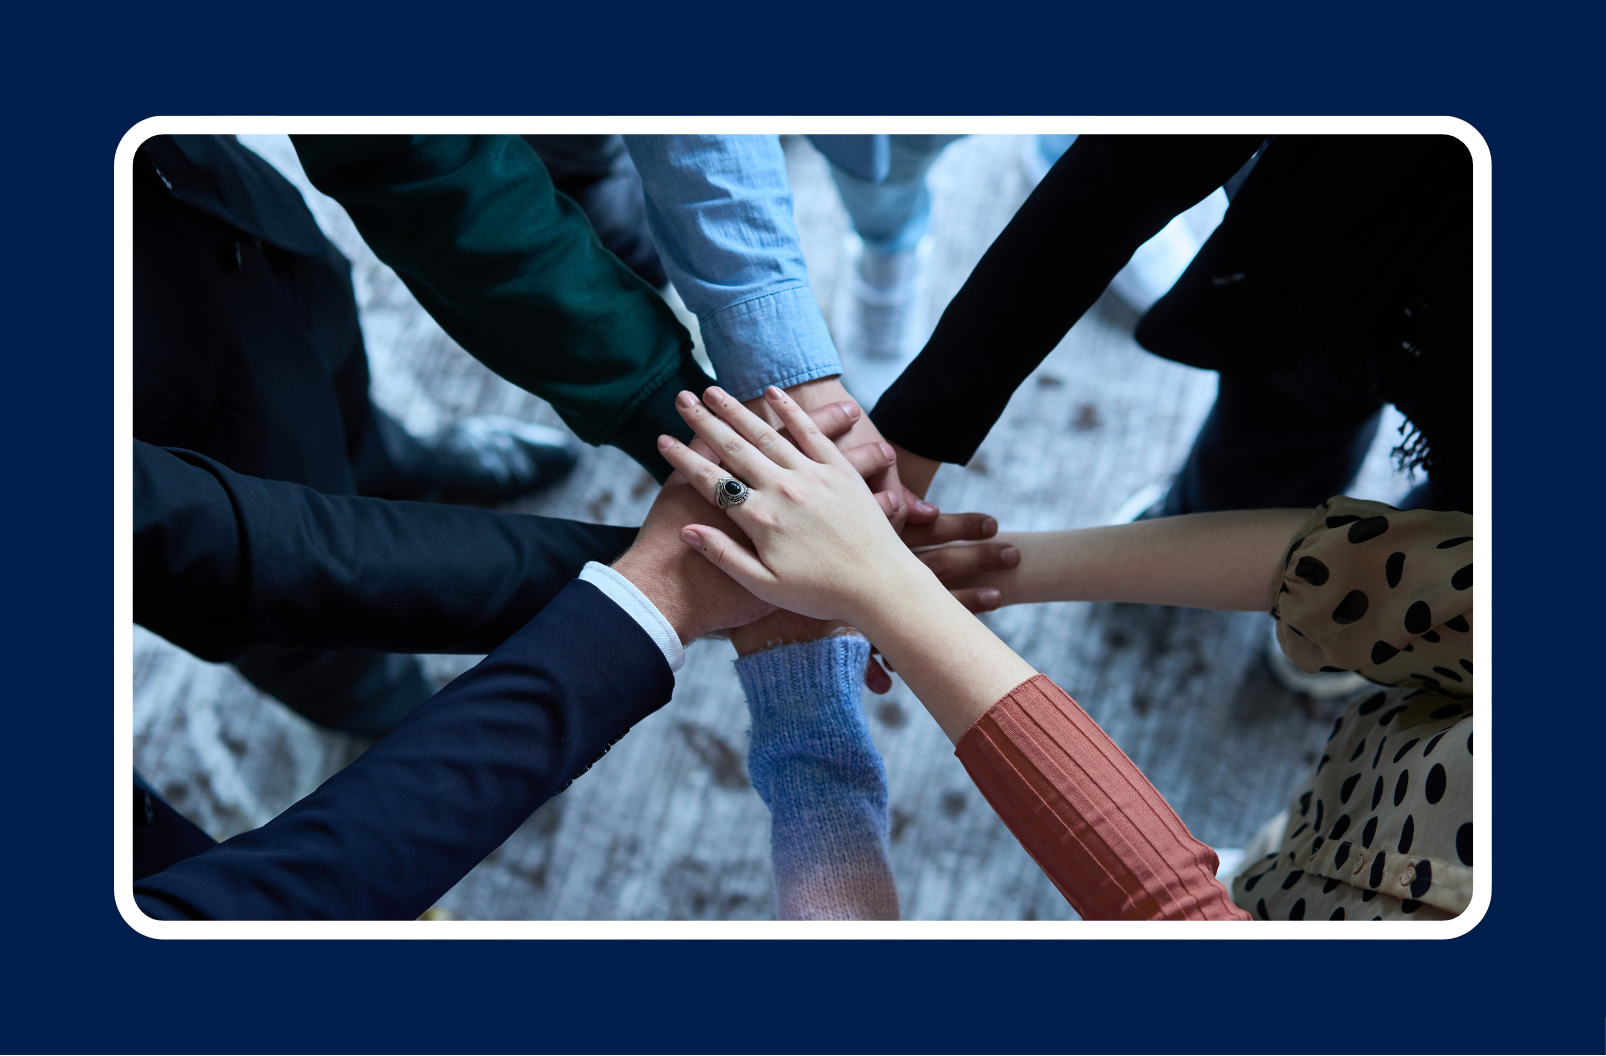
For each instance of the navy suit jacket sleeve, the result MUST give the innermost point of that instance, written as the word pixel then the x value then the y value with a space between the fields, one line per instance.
pixel 223 560
pixel 387 836
pixel 1106 197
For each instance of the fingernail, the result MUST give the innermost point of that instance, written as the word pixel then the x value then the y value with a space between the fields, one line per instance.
pixel 990 597
pixel 665 443
pixel 685 399
pixel 887 453
pixel 989 526
pixel 1010 557
pixel 773 393
pixel 714 393
pixel 923 507
pixel 691 538
pixel 849 409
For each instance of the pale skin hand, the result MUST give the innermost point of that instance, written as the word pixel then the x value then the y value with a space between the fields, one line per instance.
pixel 1201 560
pixel 904 507
pixel 692 595
pixel 822 546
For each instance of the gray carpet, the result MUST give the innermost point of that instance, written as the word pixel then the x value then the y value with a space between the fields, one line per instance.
pixel 666 826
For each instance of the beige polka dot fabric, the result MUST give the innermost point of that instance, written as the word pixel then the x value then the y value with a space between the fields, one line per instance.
pixel 1385 592
pixel 1382 828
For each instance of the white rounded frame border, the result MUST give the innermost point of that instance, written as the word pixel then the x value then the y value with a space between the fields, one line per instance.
pixel 122 541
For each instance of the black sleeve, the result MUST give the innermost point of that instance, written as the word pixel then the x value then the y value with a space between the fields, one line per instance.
pixel 1101 201
pixel 223 560
pixel 390 834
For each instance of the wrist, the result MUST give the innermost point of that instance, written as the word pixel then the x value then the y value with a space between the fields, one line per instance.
pixel 656 578
pixel 903 586
pixel 916 471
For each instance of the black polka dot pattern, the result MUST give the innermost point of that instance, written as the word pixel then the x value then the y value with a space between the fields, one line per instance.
pixel 1370 528
pixel 1311 571
pixel 1376 594
pixel 1352 608
pixel 1433 789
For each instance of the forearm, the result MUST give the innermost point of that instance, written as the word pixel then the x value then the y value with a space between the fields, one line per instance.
pixel 720 210
pixel 949 659
pixel 1203 561
pixel 223 560
pixel 512 271
pixel 813 763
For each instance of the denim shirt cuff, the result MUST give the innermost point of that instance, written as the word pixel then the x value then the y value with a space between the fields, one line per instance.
pixel 777 339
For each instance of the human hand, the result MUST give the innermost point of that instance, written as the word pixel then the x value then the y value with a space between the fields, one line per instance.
pixel 694 596
pixel 824 545
pixel 902 505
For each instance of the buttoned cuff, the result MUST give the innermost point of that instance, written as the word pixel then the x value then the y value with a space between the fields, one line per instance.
pixel 640 608
pixel 778 339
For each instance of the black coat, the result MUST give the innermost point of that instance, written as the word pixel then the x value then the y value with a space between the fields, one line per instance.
pixel 222 560
pixel 1339 255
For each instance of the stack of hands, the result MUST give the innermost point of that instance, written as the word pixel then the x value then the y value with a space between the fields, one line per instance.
pixel 812 548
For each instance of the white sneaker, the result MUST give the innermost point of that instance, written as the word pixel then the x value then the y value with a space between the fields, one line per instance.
pixel 880 315
pixel 1323 685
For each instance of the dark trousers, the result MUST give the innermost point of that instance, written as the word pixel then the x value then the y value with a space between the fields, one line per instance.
pixel 1291 440
pixel 1276 440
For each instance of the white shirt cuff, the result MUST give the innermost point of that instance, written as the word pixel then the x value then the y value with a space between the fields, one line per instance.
pixel 624 594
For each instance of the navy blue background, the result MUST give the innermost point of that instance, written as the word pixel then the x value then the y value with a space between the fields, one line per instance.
pixel 1527 979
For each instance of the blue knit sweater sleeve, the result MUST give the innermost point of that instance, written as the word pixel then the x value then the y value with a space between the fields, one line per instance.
pixel 816 768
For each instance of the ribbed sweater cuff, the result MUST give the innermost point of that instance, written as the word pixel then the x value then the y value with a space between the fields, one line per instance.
pixel 1087 815
pixel 815 766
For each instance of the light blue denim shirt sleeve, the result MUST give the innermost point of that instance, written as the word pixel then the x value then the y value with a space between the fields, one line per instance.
pixel 720 211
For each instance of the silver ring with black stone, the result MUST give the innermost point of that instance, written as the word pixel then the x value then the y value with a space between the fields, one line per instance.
pixel 731 492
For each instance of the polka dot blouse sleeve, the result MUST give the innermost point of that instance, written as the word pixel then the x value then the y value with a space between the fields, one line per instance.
pixel 1384 592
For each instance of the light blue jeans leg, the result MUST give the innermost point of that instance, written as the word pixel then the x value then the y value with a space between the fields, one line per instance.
pixel 893 216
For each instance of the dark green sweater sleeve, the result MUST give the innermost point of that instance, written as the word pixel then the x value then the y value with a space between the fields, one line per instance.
pixel 513 272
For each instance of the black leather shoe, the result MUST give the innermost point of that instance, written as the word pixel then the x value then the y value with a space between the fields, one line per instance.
pixel 484 459
pixel 491 458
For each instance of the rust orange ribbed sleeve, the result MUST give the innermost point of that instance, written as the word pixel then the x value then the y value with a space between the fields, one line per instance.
pixel 1087 815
